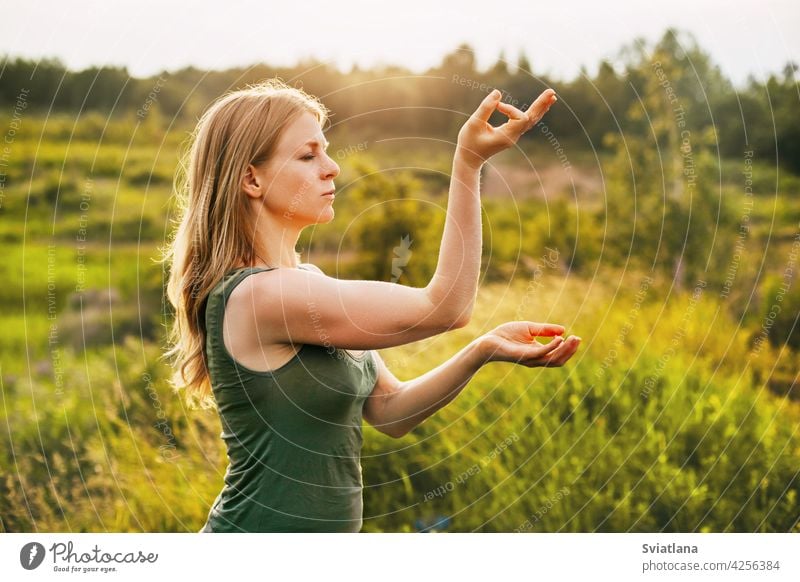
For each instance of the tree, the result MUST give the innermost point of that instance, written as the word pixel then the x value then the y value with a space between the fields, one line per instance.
pixel 500 68
pixel 398 233
pixel 663 188
pixel 461 60
pixel 523 65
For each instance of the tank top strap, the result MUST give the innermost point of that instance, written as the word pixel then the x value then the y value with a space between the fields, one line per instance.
pixel 218 299
pixel 236 276
pixel 232 278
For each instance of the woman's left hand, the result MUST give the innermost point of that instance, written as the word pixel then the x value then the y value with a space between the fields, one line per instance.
pixel 516 342
pixel 478 140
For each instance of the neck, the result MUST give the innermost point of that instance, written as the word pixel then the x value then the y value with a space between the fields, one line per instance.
pixel 275 242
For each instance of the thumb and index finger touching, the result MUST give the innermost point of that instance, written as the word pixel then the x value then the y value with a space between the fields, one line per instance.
pixel 487 106
pixel 494 101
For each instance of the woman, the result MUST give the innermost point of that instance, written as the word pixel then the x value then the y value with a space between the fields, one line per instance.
pixel 288 353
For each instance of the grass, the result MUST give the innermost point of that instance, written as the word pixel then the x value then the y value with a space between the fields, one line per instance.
pixel 572 449
pixel 673 415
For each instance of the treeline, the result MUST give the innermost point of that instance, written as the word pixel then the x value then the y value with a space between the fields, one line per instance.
pixel 759 117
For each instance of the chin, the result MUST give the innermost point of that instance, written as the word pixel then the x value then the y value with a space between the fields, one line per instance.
pixel 304 220
pixel 326 216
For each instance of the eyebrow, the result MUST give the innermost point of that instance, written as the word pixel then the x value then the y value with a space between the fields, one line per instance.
pixel 316 143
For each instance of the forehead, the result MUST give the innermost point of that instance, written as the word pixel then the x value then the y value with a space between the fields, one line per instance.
pixel 299 132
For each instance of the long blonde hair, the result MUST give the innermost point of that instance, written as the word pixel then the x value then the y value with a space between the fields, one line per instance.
pixel 216 230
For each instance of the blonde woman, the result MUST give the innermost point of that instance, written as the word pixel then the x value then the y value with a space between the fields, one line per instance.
pixel 286 353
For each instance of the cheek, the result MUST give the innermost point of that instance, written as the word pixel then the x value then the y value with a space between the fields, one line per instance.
pixel 305 183
pixel 299 176
pixel 293 182
pixel 296 193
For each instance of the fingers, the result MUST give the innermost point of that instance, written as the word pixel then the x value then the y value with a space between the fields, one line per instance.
pixel 539 107
pixel 487 106
pixel 533 114
pixel 560 355
pixel 527 353
pixel 511 112
pixel 550 346
pixel 545 329
pixel 517 124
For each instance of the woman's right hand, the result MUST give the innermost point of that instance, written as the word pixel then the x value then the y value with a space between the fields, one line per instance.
pixel 478 140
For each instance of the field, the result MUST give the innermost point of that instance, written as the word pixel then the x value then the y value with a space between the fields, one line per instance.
pixel 679 413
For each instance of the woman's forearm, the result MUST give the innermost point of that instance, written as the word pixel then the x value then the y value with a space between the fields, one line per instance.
pixel 417 399
pixel 455 282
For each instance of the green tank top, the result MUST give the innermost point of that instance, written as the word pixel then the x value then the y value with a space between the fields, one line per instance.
pixel 293 434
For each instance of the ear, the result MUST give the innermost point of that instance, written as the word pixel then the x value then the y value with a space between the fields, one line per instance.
pixel 251 182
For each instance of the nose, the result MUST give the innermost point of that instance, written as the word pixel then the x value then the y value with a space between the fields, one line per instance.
pixel 331 168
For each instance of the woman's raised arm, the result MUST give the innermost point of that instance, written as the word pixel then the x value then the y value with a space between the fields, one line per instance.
pixel 455 281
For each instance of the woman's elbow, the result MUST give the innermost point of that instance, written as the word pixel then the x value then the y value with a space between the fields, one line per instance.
pixel 398 433
pixel 394 431
pixel 460 318
pixel 463 319
pixel 451 323
pixel 448 314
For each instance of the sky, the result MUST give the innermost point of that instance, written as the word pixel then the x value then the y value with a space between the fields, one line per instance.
pixel 749 37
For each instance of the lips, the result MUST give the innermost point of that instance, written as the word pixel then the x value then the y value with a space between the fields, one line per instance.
pixel 329 193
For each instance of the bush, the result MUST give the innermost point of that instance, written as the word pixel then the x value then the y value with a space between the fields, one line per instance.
pixel 780 306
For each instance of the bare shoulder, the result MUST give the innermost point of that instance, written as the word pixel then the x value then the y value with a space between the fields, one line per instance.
pixel 313 268
pixel 274 282
pixel 287 305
